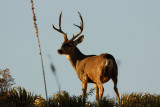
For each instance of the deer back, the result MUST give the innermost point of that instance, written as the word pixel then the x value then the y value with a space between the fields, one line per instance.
pixel 95 67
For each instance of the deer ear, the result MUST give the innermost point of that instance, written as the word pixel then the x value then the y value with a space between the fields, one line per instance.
pixel 80 39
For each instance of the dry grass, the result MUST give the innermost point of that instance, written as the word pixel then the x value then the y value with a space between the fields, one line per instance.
pixel 140 100
pixel 18 97
pixel 40 52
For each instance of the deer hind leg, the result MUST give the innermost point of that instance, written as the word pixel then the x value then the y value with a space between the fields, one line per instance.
pixel 96 91
pixel 115 87
pixel 100 86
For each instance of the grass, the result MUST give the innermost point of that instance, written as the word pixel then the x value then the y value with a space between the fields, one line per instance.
pixel 19 97
pixel 39 46
pixel 140 100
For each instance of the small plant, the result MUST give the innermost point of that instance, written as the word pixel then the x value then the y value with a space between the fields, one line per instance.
pixel 6 81
pixel 39 46
pixel 140 100
pixel 107 102
pixel 16 97
pixel 63 99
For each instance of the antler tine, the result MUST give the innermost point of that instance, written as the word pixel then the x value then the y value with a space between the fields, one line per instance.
pixel 80 27
pixel 60 30
pixel 60 20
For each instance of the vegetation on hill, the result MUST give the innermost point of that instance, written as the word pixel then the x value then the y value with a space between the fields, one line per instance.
pixel 19 97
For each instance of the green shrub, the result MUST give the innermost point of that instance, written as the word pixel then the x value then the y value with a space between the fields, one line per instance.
pixel 63 99
pixel 140 100
pixel 16 97
pixel 107 102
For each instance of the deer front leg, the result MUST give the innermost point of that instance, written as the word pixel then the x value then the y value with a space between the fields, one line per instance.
pixel 84 89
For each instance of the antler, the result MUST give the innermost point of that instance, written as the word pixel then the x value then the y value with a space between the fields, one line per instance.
pixel 80 27
pixel 60 30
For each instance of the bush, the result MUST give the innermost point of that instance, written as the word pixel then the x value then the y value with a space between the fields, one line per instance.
pixel 16 97
pixel 63 99
pixel 140 100
pixel 6 81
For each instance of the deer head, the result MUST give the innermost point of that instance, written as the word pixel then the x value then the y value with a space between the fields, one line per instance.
pixel 69 44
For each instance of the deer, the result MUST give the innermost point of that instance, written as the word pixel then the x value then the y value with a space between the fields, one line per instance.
pixel 96 69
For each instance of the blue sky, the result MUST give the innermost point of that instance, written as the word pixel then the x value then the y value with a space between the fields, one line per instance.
pixel 127 29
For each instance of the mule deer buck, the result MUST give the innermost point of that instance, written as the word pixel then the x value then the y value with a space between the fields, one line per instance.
pixel 96 69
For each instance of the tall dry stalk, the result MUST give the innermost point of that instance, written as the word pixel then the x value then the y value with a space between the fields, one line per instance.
pixel 36 28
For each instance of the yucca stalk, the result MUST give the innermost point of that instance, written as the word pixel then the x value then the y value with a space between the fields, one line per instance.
pixel 40 53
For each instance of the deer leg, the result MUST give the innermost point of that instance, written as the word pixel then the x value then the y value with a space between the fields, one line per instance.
pixel 96 91
pixel 84 89
pixel 115 87
pixel 100 86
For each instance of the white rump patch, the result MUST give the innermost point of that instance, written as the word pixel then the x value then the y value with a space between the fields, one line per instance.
pixel 107 63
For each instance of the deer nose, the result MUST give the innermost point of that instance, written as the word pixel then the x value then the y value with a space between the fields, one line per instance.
pixel 60 51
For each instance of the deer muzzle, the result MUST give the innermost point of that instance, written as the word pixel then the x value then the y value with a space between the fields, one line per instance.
pixel 60 51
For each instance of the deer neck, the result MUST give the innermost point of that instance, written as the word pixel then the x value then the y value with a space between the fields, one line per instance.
pixel 75 56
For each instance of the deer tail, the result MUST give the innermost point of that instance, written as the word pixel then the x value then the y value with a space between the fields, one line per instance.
pixel 107 64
